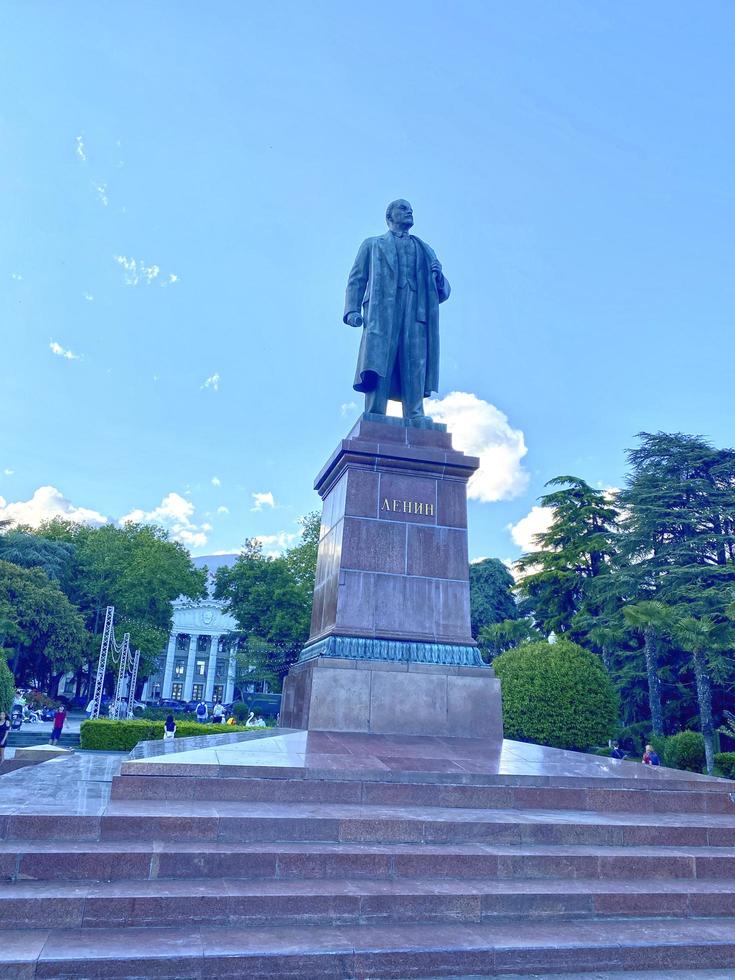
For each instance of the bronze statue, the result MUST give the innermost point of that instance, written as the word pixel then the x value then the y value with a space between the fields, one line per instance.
pixel 393 293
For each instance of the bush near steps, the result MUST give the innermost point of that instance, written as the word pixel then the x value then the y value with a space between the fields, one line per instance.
pixel 556 694
pixel 122 736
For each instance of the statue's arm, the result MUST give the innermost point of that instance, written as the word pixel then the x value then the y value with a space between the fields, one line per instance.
pixel 443 288
pixel 356 282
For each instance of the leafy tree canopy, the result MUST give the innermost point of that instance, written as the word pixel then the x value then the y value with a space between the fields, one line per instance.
pixel 46 632
pixel 491 594
pixel 270 597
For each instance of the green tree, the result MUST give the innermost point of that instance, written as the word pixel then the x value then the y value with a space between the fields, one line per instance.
pixel 677 548
pixel 55 558
pixel 556 694
pixel 137 569
pixel 7 685
pixel 271 597
pixel 491 594
pixel 47 634
pixel 652 620
pixel 556 587
pixel 499 637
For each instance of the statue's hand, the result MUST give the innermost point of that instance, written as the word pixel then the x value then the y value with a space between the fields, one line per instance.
pixel 355 320
pixel 436 267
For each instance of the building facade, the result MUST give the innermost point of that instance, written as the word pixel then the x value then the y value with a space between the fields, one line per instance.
pixel 199 664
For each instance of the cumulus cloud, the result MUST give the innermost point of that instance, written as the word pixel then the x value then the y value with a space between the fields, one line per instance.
pixel 8 472
pixel 481 429
pixel 536 521
pixel 45 504
pixel 60 351
pixel 223 510
pixel 347 408
pixel 275 544
pixel 216 482
pixel 211 382
pixel 261 500
pixel 79 149
pixel 175 514
pixel 17 276
pixel 137 273
pixel 89 297
pixel 101 189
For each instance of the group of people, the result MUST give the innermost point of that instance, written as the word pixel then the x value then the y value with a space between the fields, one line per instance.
pixel 219 717
pixel 650 756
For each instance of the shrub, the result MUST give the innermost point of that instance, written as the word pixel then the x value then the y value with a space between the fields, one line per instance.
pixel 122 736
pixel 725 762
pixel 685 750
pixel 7 685
pixel 556 694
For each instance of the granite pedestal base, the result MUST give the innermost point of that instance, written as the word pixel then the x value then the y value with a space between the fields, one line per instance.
pixel 384 698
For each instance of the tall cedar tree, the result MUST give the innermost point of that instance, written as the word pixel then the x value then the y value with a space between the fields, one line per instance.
pixel 678 549
pixel 556 587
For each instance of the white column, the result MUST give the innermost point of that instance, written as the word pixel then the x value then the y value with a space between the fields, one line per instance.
pixel 189 679
pixel 230 685
pixel 211 667
pixel 168 672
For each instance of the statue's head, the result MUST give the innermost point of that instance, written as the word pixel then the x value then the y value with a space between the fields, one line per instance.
pixel 399 215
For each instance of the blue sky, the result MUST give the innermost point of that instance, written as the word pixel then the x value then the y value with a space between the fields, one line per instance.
pixel 184 188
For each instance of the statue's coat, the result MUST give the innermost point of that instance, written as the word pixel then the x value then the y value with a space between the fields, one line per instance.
pixel 372 287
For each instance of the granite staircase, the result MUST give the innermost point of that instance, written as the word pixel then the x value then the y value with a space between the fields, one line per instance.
pixel 230 875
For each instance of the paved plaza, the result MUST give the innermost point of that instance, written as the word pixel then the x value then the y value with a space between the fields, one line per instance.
pixel 295 854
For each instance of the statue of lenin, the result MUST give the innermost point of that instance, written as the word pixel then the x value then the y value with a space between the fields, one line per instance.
pixel 393 293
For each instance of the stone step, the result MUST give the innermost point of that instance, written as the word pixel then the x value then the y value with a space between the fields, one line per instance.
pixel 349 952
pixel 344 901
pixel 609 797
pixel 108 860
pixel 270 822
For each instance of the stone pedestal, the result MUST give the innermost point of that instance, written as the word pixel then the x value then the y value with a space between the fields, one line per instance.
pixel 391 596
pixel 383 698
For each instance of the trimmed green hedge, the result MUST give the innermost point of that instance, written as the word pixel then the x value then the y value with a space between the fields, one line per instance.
pixel 122 736
pixel 725 762
pixel 556 694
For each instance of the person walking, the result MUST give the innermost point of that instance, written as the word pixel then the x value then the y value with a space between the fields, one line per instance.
pixel 218 713
pixel 4 732
pixel 169 728
pixel 59 719
pixel 202 713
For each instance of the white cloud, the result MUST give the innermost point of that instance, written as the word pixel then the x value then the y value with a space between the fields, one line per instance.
pixel 175 514
pixel 172 278
pixel 80 149
pixel 8 472
pixel 45 504
pixel 223 510
pixel 89 297
pixel 211 382
pixel 347 408
pixel 136 272
pixel 275 544
pixel 101 190
pixel 17 276
pixel 216 482
pixel 537 521
pixel 476 561
pixel 262 500
pixel 481 429
pixel 60 351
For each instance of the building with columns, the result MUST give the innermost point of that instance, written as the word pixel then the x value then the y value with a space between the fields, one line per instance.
pixel 198 664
